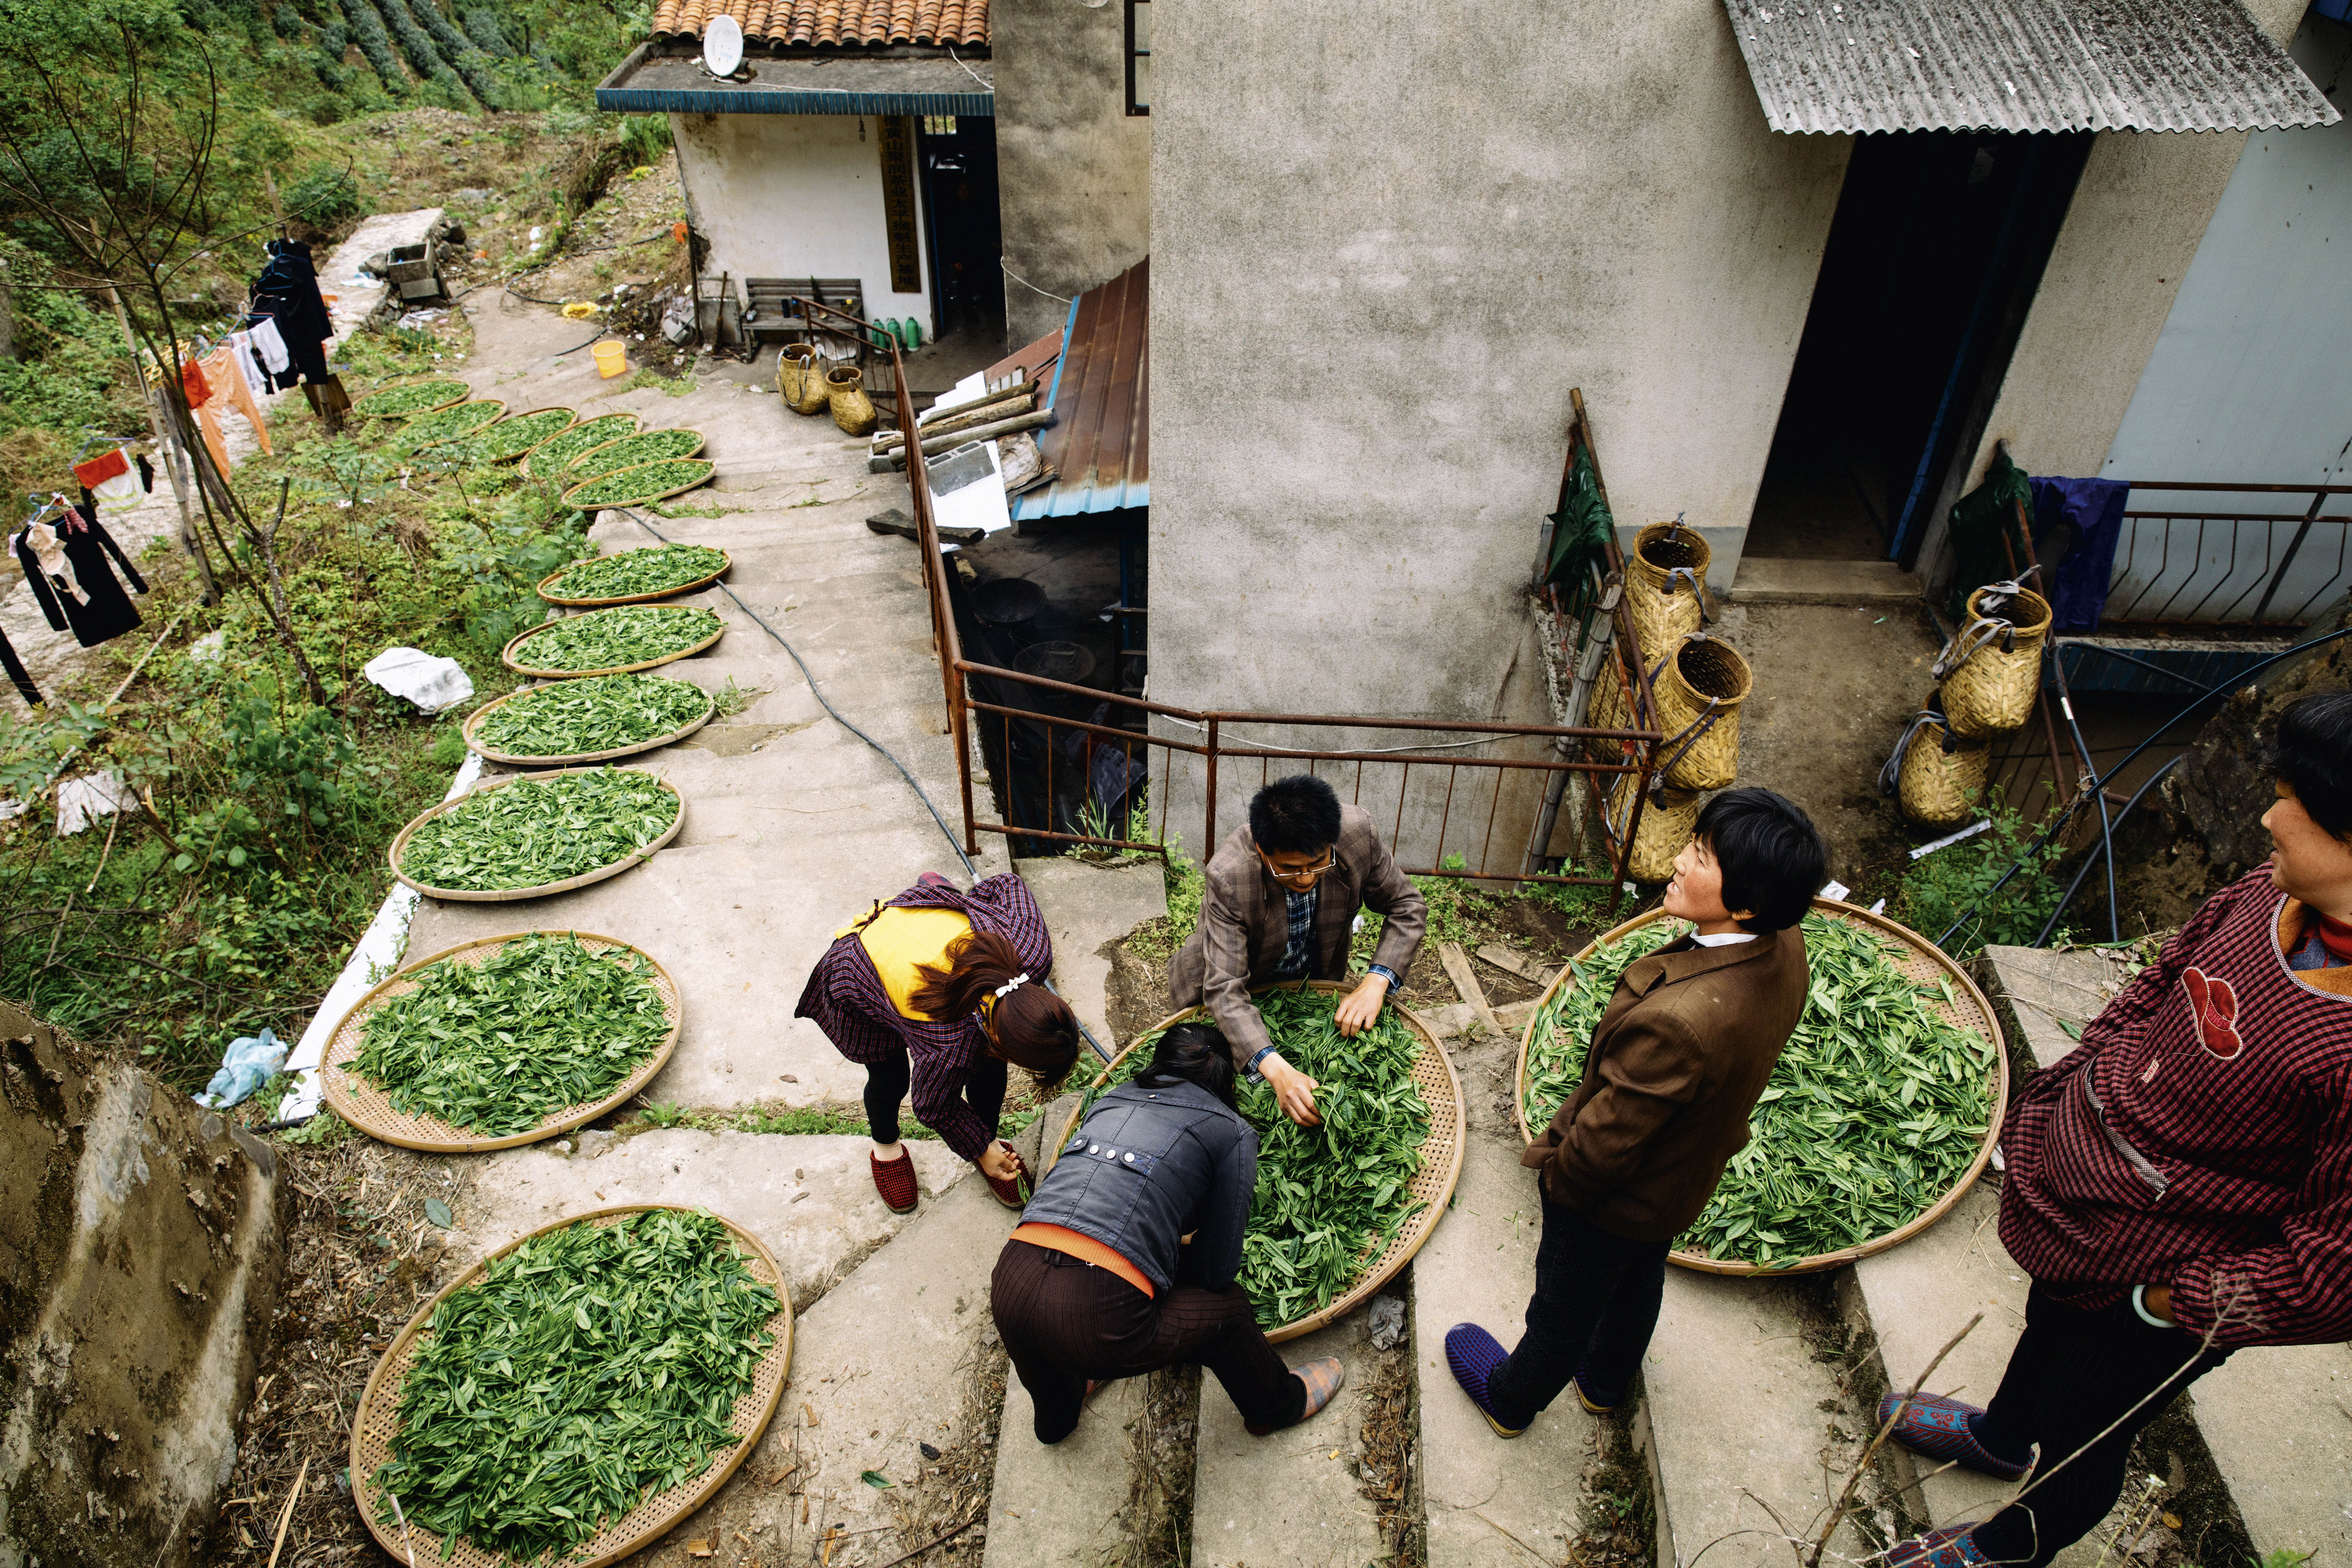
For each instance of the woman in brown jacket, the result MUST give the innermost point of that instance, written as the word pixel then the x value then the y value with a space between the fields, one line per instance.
pixel 1677 1062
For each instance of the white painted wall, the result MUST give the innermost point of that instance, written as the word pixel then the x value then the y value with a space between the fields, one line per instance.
pixel 785 195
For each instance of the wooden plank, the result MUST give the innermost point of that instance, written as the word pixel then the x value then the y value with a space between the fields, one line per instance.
pixel 1465 984
pixel 896 140
pixel 1512 961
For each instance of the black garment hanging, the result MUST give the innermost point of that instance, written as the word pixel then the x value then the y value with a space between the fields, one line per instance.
pixel 15 668
pixel 100 611
pixel 146 473
pixel 287 293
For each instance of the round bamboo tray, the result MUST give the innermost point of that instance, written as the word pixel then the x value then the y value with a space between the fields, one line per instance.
pixel 358 408
pixel 704 582
pixel 367 1107
pixel 469 432
pixel 544 890
pixel 1441 1158
pixel 709 469
pixel 508 657
pixel 526 413
pixel 1926 962
pixel 515 760
pixel 376 1424
pixel 635 424
pixel 574 464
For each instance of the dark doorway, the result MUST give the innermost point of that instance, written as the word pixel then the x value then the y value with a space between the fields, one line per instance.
pixel 1936 248
pixel 957 155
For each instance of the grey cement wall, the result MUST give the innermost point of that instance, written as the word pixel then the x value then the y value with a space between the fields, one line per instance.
pixel 1389 241
pixel 1074 169
pixel 141 1245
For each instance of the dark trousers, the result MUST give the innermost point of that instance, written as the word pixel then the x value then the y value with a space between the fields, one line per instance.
pixel 1595 1307
pixel 886 1090
pixel 1065 1321
pixel 2073 1373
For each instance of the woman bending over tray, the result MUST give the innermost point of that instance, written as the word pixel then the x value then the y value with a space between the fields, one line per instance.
pixel 943 988
pixel 1099 1282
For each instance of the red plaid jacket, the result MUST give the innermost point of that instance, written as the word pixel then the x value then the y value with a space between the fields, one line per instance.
pixel 2201 1137
pixel 845 998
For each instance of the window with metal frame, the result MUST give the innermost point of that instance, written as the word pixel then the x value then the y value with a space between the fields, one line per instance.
pixel 1139 56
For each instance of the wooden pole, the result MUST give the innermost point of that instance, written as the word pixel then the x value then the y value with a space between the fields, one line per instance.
pixel 189 540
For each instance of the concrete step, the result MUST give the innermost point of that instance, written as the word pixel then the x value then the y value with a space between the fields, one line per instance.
pixel 2278 1421
pixel 1087 909
pixel 1063 1507
pixel 1769 581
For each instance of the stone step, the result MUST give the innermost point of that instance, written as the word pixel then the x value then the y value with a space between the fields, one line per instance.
pixel 1087 907
pixel 1063 1507
pixel 1769 581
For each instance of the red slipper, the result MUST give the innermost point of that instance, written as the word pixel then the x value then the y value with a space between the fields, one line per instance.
pixel 1012 1192
pixel 895 1180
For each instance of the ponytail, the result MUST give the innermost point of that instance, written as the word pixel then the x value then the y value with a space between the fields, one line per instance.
pixel 1033 1028
pixel 1194 1054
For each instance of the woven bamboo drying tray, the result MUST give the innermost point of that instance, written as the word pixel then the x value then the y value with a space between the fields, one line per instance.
pixel 1925 962
pixel 367 1107
pixel 527 414
pixel 703 582
pixel 544 890
pixel 513 760
pixel 577 462
pixel 1441 1157
pixel 635 424
pixel 509 659
pixel 360 412
pixel 709 469
pixel 496 405
pixel 377 1422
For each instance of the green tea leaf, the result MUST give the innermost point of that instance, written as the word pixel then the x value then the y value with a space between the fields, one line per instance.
pixel 651 570
pixel 535 831
pixel 625 634
pixel 597 713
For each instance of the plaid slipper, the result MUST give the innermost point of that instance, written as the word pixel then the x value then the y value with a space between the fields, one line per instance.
pixel 1938 1426
pixel 1322 1379
pixel 1472 1354
pixel 1946 1548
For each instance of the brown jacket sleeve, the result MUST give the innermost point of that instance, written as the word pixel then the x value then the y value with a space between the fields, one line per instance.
pixel 1597 1143
pixel 1404 914
pixel 1226 941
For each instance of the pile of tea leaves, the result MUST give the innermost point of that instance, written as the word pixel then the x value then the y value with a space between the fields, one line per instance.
pixel 415 397
pixel 640 482
pixel 607 639
pixel 587 1368
pixel 654 569
pixel 630 450
pixel 518 433
pixel 599 713
pixel 455 423
pixel 497 1048
pixel 534 831
pixel 549 457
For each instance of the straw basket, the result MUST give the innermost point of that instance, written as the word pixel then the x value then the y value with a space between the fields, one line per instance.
pixel 1441 1157
pixel 1993 669
pixel 1697 692
pixel 1667 824
pixel 514 656
pixel 376 1424
pixel 512 759
pixel 1665 583
pixel 370 1109
pixel 1924 963
pixel 726 561
pixel 514 895
pixel 1938 788
pixel 845 388
pixel 800 379
pixel 1607 709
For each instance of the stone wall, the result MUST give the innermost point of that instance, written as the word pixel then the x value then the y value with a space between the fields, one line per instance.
pixel 141 1245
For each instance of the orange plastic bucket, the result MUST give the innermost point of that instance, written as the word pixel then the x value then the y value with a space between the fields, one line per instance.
pixel 611 358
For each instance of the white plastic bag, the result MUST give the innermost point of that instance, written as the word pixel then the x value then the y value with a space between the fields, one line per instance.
pixel 245 1067
pixel 431 683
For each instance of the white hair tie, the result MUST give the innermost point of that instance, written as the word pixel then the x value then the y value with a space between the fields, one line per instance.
pixel 1009 987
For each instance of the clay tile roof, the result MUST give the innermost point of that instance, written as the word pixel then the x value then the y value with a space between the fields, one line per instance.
pixel 849 23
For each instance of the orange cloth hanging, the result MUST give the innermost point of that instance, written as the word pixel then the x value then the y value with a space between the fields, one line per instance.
pixel 221 368
pixel 192 383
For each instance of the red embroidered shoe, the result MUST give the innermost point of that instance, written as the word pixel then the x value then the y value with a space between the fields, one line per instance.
pixel 895 1180
pixel 1013 1191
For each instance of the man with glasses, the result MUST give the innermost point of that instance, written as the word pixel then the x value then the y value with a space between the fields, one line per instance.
pixel 1280 902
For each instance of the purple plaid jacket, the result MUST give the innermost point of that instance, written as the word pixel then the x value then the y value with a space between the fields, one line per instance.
pixel 845 998
pixel 2200 1138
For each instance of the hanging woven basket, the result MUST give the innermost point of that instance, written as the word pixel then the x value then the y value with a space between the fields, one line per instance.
pixel 1665 827
pixel 1992 669
pixel 1940 781
pixel 800 379
pixel 1697 692
pixel 1607 709
pixel 1665 585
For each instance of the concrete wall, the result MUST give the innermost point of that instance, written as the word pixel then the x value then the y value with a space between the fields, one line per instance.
pixel 784 195
pixel 2136 221
pixel 1074 169
pixel 141 1245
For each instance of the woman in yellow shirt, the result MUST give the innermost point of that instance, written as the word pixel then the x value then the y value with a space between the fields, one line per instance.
pixel 939 990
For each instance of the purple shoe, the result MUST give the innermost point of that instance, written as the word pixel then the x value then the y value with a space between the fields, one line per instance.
pixel 1472 1353
pixel 1946 1548
pixel 1938 1426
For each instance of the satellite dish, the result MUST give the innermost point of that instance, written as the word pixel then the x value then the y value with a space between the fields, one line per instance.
pixel 722 46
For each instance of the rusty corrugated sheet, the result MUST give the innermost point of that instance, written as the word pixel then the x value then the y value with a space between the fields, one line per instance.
pixel 1099 441
pixel 1859 65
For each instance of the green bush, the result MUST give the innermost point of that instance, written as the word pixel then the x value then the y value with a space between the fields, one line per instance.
pixel 325 194
pixel 644 137
pixel 1952 884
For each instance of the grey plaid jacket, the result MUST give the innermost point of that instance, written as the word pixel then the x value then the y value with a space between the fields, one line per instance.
pixel 1245 927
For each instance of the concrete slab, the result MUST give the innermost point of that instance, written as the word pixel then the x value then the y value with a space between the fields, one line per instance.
pixel 1767 581
pixel 1747 1456
pixel 1293 1497
pixel 1479 1266
pixel 2040 992
pixel 1062 1506
pixel 2278 1420
pixel 810 1200
pixel 1089 908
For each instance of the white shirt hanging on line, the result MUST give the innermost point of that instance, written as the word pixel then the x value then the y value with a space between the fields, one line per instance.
pixel 270 344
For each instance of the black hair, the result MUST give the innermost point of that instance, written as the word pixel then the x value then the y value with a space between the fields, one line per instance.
pixel 1032 1028
pixel 1194 1054
pixel 1297 815
pixel 2312 755
pixel 1771 855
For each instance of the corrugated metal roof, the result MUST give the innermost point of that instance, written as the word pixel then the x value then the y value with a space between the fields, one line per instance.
pixel 1859 65
pixel 851 23
pixel 1100 438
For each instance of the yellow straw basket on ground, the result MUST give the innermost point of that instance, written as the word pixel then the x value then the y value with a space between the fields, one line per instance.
pixel 800 380
pixel 1665 828
pixel 1665 583
pixel 852 409
pixel 1607 709
pixel 1939 788
pixel 1991 670
pixel 1697 693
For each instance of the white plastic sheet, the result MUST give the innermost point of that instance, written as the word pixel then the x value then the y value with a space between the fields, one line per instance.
pixel 432 683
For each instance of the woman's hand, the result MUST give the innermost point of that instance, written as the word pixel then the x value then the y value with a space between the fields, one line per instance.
pixel 1361 1009
pixel 999 1161
pixel 1293 1089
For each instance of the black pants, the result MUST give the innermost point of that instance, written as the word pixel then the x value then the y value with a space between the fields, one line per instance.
pixel 2073 1373
pixel 1595 1307
pixel 1065 1321
pixel 886 1090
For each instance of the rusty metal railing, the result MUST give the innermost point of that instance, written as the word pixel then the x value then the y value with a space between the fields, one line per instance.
pixel 2189 566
